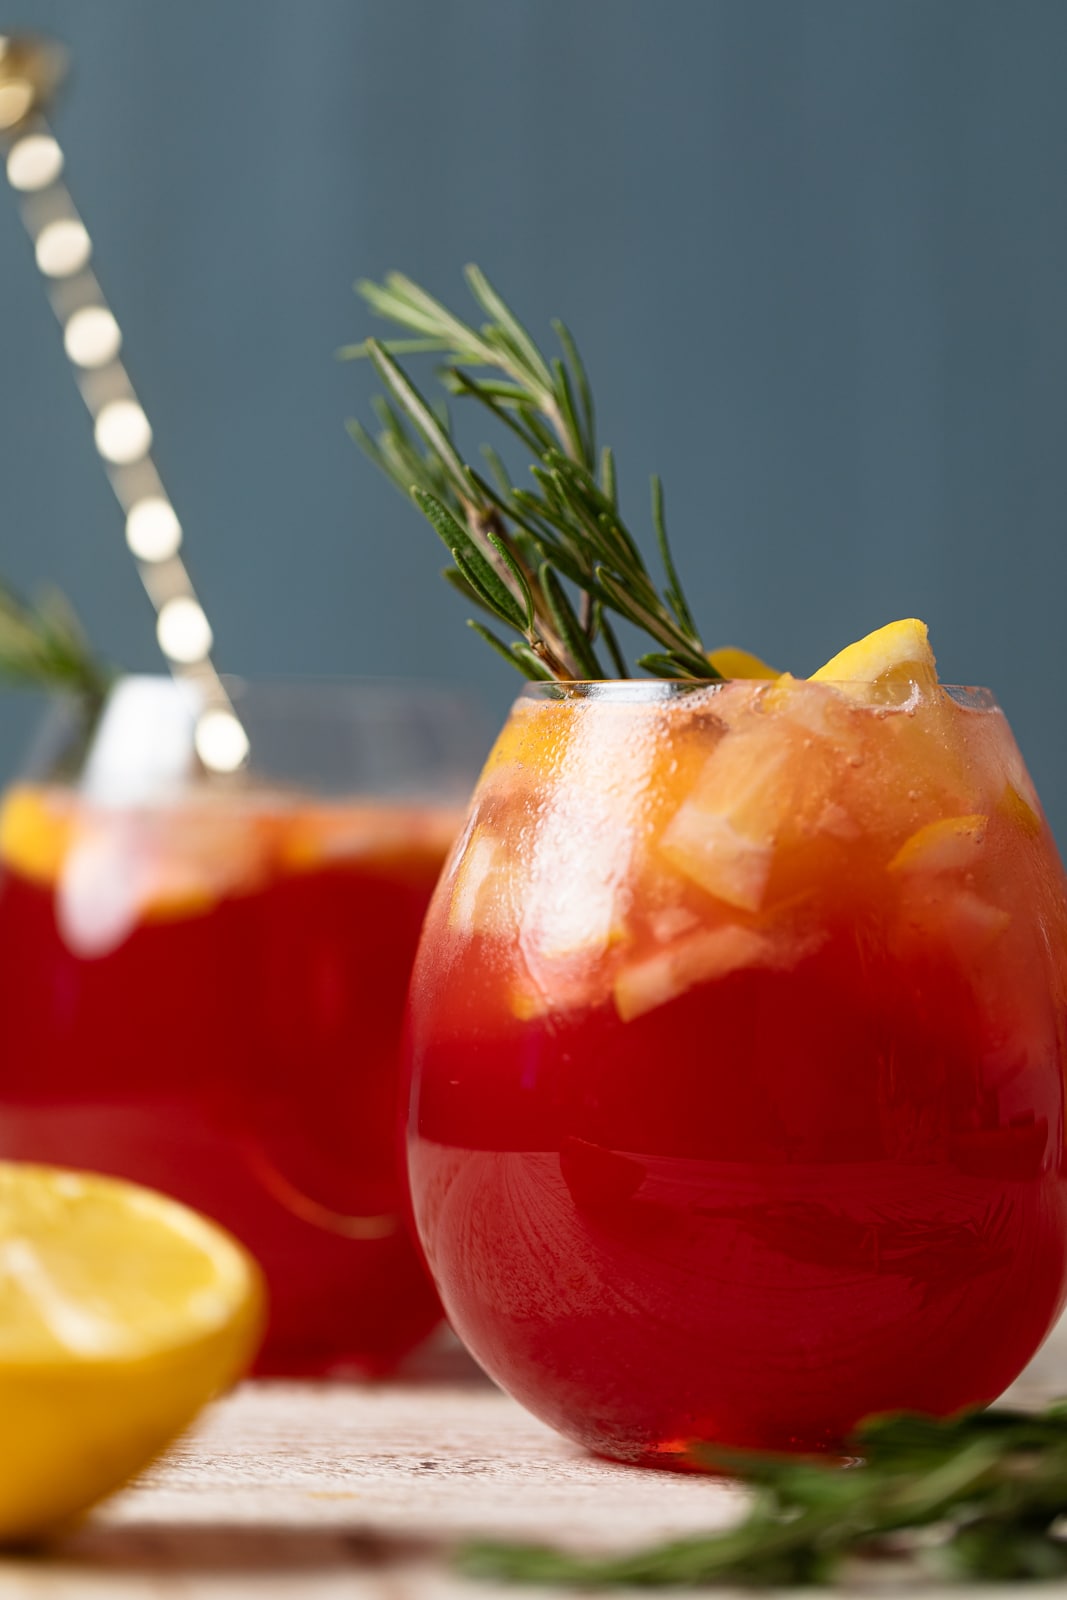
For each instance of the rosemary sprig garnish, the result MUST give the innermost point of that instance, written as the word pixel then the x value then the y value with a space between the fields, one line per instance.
pixel 978 1495
pixel 43 646
pixel 553 559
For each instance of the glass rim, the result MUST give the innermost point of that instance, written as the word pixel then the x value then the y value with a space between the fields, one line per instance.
pixel 637 691
pixel 387 738
pixel 238 683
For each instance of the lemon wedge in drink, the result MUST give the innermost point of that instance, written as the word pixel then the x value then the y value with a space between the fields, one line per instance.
pixel 949 844
pixel 730 662
pixel 121 1314
pixel 894 655
pixel 34 836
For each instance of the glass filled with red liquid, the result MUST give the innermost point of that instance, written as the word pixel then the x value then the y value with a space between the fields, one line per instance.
pixel 202 980
pixel 737 1043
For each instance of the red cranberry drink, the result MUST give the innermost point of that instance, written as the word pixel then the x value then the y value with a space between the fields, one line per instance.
pixel 206 997
pixel 737 1053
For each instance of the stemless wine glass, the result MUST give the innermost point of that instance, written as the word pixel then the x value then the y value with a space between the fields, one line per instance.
pixel 202 980
pixel 737 1055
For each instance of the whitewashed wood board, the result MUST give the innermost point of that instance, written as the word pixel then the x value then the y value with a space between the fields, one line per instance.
pixel 322 1491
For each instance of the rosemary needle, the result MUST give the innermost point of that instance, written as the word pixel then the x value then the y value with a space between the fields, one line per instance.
pixel 551 560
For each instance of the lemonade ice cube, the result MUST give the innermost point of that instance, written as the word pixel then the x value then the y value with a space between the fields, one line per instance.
pixel 712 953
pixel 950 919
pixel 712 850
pixel 480 889
pixel 723 836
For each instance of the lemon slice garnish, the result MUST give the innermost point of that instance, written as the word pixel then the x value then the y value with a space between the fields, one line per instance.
pixel 730 662
pixel 121 1314
pixel 35 835
pixel 899 653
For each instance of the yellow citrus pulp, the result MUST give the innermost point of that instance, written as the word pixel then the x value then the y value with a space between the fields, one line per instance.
pixel 898 653
pixel 121 1314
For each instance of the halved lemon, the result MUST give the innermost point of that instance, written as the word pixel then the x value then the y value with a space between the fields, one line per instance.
pixel 899 653
pixel 121 1314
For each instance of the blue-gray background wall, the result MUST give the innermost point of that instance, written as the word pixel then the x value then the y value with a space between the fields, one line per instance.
pixel 815 252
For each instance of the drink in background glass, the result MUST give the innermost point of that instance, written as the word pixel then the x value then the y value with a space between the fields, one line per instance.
pixel 737 1062
pixel 202 982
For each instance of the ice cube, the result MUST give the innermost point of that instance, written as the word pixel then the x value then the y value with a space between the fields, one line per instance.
pixel 723 835
pixel 709 849
pixel 816 709
pixel 938 917
pixel 481 888
pixel 712 953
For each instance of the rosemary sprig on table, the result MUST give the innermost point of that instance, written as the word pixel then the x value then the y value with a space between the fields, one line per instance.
pixel 553 559
pixel 43 646
pixel 972 1496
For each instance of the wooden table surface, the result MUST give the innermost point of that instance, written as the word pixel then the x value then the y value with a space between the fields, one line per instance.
pixel 324 1491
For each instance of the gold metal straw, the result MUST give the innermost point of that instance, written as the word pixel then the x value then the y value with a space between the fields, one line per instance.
pixel 31 70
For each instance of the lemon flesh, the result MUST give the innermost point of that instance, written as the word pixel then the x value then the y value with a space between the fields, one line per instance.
pixel 897 654
pixel 121 1314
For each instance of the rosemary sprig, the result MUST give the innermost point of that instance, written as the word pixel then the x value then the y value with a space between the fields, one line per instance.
pixel 43 646
pixel 978 1495
pixel 550 561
